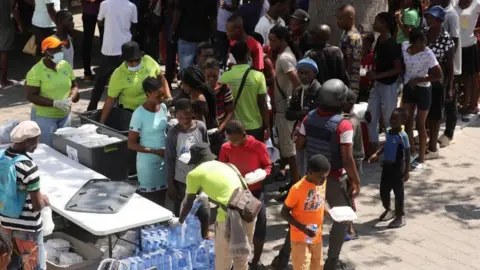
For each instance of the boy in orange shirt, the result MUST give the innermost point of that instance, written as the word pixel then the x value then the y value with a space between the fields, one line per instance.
pixel 303 210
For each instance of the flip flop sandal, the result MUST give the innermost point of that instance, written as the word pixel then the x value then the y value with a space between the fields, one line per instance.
pixel 395 224
pixel 349 237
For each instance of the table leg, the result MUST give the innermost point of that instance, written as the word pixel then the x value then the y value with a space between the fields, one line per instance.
pixel 110 247
pixel 139 233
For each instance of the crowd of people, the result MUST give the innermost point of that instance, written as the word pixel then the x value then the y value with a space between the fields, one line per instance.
pixel 251 74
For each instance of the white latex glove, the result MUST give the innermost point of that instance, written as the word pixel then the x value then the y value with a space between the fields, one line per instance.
pixel 64 104
pixel 174 222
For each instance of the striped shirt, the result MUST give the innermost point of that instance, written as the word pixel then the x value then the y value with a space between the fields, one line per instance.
pixel 224 98
pixel 28 178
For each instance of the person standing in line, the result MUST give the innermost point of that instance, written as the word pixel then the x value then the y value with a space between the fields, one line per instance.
pixel 51 88
pixel 89 20
pixel 388 67
pixel 326 131
pixel 188 13
pixel 251 12
pixel 149 123
pixel 120 18
pixel 421 68
pixel 285 83
pixel 299 21
pixel 247 155
pixel 351 45
pixel 65 27
pixel 304 209
pixel 235 33
pixel 25 230
pixel 43 20
pixel 451 24
pixel 249 98
pixel 273 17
pixel 469 11
pixel 329 59
pixel 7 39
pixel 442 45
pixel 225 10
pixel 408 17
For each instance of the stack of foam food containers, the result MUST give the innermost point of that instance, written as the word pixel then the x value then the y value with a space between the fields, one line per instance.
pixel 178 248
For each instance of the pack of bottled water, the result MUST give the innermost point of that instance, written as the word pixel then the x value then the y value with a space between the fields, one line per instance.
pixel 178 248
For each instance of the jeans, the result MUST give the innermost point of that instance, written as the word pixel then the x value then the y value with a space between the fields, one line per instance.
pixel 28 241
pixel 107 66
pixel 172 46
pixel 451 111
pixel 336 196
pixel 89 23
pixel 383 98
pixel 48 125
pixel 186 53
pixel 392 179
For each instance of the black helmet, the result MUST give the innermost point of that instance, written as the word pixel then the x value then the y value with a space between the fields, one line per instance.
pixel 332 94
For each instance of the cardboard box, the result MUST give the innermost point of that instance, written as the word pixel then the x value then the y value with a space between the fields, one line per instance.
pixel 91 255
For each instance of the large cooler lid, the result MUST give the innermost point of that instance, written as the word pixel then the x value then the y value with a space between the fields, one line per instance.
pixel 102 196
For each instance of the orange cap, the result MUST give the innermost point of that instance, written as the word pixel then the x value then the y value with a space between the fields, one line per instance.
pixel 51 42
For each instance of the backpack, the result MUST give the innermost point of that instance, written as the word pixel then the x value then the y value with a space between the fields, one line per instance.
pixel 11 197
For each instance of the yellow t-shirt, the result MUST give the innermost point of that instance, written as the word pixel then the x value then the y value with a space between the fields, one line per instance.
pixel 217 180
pixel 55 85
pixel 127 85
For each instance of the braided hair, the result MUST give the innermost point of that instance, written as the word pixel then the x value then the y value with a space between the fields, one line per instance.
pixel 282 33
pixel 193 77
pixel 151 84
pixel 389 20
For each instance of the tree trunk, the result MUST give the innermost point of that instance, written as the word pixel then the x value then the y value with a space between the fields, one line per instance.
pixel 323 12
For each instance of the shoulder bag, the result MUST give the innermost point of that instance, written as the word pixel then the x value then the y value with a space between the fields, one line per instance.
pixel 242 85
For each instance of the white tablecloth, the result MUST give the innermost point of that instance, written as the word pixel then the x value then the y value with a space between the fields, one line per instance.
pixel 61 178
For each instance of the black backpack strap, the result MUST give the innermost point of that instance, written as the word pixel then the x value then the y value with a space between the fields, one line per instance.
pixel 242 84
pixel 284 95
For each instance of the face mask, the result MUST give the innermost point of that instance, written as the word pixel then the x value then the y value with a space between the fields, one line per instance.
pixel 57 57
pixel 136 68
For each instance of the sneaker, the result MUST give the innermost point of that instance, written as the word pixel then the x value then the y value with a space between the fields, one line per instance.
pixel 387 215
pixel 444 141
pixel 398 222
pixel 339 265
pixel 418 167
pixel 279 264
pixel 432 155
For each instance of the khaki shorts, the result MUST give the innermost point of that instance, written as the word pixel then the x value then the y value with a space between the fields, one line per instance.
pixel 223 260
pixel 306 257
pixel 285 130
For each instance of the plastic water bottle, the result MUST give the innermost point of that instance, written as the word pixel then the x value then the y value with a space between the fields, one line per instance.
pixel 147 260
pixel 313 227
pixel 196 205
pixel 164 261
pixel 140 263
pixel 200 257
pixel 156 245
pixel 181 260
pixel 133 264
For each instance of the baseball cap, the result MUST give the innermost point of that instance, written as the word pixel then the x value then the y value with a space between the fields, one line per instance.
pixel 131 51
pixel 301 15
pixel 24 131
pixel 200 152
pixel 437 11
pixel 52 42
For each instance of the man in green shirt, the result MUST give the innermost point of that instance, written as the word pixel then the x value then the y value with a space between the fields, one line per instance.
pixel 251 105
pixel 218 180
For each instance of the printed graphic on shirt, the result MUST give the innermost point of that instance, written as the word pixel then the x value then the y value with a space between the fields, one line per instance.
pixel 315 199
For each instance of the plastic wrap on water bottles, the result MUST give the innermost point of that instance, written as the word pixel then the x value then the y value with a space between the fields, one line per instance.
pixel 164 261
pixel 181 260
pixel 140 263
pixel 147 261
pixel 133 264
pixel 200 256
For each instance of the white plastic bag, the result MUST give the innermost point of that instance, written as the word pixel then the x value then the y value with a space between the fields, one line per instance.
pixel 5 130
pixel 47 221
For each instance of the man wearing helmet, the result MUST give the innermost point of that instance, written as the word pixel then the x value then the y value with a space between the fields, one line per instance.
pixel 325 131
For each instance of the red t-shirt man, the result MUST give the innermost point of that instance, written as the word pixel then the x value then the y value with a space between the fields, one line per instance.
pixel 247 157
pixel 256 51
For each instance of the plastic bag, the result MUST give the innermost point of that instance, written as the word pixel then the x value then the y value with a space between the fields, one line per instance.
pixel 6 129
pixel 47 221
pixel 70 258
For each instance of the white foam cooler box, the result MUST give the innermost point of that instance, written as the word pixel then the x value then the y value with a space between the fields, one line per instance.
pixel 91 255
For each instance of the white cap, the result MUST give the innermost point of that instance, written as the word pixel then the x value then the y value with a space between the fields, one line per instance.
pixel 24 131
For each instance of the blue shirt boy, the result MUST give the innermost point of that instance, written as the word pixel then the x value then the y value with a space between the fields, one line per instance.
pixel 395 146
